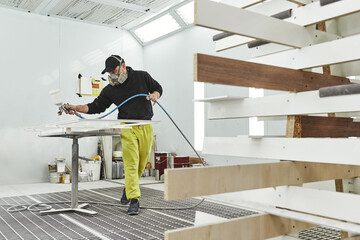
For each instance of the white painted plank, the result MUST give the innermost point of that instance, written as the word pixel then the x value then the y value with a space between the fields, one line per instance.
pixel 303 16
pixel 218 99
pixel 202 218
pixel 314 13
pixel 322 150
pixel 271 29
pixel 266 8
pixel 264 200
pixel 231 42
pixel 348 69
pixel 284 104
pixel 267 49
pixel 242 3
pixel 341 50
pixel 277 118
pixel 342 206
pixel 301 2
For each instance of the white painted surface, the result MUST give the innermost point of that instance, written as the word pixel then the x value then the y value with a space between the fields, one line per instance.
pixel 202 218
pixel 313 12
pixel 302 16
pixel 323 150
pixel 171 62
pixel 264 200
pixel 39 54
pixel 342 206
pixel 284 104
pixel 271 29
pixel 343 50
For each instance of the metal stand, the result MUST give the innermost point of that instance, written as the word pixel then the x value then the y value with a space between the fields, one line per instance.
pixel 75 134
pixel 74 185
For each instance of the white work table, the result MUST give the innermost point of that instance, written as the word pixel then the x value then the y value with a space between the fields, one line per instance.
pixel 80 128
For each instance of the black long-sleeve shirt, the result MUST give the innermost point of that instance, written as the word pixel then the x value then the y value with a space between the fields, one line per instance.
pixel 137 108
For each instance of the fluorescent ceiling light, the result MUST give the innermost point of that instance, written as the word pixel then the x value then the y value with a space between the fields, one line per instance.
pixel 186 12
pixel 157 28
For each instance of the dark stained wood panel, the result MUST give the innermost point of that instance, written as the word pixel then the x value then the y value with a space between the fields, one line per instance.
pixel 227 71
pixel 335 127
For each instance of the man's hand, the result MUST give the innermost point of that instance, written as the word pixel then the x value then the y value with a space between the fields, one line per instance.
pixel 153 97
pixel 78 108
pixel 69 109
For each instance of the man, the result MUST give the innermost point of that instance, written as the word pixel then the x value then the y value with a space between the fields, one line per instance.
pixel 136 142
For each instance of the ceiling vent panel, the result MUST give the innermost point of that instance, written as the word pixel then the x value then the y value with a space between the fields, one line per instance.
pixel 28 5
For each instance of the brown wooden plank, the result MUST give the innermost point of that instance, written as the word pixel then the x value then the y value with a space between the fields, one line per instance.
pixel 255 227
pixel 227 71
pixel 194 182
pixel 335 127
pixel 293 127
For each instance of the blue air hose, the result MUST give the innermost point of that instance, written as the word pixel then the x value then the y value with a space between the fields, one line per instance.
pixel 146 95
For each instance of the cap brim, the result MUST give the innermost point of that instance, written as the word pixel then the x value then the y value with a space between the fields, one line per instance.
pixel 108 69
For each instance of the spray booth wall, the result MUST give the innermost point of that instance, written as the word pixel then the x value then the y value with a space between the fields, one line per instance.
pixel 39 54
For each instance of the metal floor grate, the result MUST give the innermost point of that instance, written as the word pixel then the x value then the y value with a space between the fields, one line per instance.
pixel 110 222
pixel 320 233
pixel 113 222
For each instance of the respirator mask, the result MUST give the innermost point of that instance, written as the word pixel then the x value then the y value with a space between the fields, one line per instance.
pixel 116 79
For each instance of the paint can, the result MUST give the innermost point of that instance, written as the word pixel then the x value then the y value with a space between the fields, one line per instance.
pixel 157 176
pixel 65 178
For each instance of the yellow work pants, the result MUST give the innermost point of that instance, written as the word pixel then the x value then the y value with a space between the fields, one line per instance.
pixel 136 143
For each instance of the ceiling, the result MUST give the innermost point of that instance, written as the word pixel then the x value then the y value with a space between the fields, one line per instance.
pixel 124 14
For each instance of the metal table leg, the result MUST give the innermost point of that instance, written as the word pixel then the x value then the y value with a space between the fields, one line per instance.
pixel 74 186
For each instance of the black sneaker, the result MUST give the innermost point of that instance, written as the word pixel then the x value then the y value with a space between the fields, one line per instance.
pixel 124 199
pixel 134 208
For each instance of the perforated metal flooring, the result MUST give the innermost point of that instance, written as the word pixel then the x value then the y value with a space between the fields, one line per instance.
pixel 110 223
pixel 113 222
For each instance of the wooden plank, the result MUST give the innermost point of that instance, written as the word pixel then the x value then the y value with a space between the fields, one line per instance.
pixel 303 103
pixel 251 227
pixel 321 150
pixel 293 126
pixel 302 16
pixel 227 71
pixel 316 55
pixel 241 4
pixel 272 29
pixel 342 206
pixel 314 13
pixel 266 8
pixel 222 179
pixel 263 200
pixel 301 2
pixel 335 127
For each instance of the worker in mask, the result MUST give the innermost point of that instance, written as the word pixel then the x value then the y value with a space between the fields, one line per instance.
pixel 136 141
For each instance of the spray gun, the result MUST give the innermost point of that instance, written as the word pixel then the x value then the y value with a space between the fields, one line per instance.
pixel 57 100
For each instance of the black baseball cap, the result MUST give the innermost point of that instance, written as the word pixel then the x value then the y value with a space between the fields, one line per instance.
pixel 112 62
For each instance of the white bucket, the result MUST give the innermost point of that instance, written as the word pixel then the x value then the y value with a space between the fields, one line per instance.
pixel 92 169
pixel 83 176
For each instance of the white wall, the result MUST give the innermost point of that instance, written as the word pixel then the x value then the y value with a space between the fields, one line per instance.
pixel 170 61
pixel 39 54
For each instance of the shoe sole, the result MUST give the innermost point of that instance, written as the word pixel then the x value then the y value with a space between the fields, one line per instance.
pixel 122 203
pixel 134 213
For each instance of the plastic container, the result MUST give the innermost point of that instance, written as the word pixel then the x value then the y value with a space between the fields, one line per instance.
pixel 83 177
pixel 92 168
pixel 117 154
pixel 60 164
pixel 56 96
pixel 117 169
pixel 54 177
